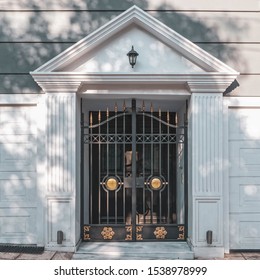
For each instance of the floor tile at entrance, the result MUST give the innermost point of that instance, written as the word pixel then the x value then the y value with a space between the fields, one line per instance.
pixel 133 251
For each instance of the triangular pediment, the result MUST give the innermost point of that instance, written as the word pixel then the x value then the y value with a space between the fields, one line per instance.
pixel 161 50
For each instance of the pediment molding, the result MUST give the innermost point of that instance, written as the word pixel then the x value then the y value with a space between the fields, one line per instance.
pixel 215 77
pixel 137 16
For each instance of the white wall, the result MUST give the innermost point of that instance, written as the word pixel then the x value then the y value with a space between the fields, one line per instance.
pixel 20 202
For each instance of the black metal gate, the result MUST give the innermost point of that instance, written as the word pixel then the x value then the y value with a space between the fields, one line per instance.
pixel 132 193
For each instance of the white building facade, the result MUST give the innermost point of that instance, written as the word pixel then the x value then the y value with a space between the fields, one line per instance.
pixel 49 155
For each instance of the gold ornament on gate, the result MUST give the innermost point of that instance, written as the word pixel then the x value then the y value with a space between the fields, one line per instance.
pixel 111 184
pixel 181 232
pixel 156 183
pixel 107 233
pixel 160 233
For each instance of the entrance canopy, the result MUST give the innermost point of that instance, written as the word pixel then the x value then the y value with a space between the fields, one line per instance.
pixel 165 58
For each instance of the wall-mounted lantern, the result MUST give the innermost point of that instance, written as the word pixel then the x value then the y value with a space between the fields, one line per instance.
pixel 132 55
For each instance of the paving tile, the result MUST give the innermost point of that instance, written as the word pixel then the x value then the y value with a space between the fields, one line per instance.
pixel 234 256
pixel 251 255
pixel 62 256
pixel 8 256
pixel 46 255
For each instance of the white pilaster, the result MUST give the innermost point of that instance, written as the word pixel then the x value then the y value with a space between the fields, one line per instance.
pixel 206 173
pixel 61 134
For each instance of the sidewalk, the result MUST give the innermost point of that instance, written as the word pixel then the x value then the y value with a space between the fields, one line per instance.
pixel 46 255
pixel 52 255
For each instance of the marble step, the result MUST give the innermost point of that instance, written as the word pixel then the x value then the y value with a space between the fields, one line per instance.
pixel 133 251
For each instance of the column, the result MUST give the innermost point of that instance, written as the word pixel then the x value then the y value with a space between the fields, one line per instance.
pixel 61 137
pixel 206 173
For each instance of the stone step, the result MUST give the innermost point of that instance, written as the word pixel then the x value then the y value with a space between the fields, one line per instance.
pixel 133 251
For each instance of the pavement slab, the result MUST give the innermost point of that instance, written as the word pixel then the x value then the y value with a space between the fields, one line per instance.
pixel 62 256
pixel 91 255
pixel 46 255
pixel 9 256
pixel 251 255
pixel 234 256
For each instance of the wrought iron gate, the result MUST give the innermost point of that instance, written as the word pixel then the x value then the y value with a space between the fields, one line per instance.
pixel 132 192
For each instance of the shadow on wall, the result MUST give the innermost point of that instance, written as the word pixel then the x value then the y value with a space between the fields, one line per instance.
pixel 32 37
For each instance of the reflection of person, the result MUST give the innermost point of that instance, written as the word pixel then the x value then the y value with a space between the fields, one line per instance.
pixel 128 162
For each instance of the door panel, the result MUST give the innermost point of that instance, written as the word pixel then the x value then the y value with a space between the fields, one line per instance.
pixel 132 176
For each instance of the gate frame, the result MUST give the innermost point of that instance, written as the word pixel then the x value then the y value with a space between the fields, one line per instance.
pixel 135 228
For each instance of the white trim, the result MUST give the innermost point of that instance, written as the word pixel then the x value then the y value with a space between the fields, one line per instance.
pixel 41 180
pixel 73 81
pixel 231 102
pixel 242 101
pixel 21 99
pixel 226 184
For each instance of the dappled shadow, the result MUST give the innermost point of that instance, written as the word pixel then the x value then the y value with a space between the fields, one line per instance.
pixel 208 38
pixel 40 36
pixel 30 39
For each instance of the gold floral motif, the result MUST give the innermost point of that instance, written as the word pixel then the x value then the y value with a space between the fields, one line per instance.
pixel 107 233
pixel 86 233
pixel 160 233
pixel 139 235
pixel 128 233
pixel 181 232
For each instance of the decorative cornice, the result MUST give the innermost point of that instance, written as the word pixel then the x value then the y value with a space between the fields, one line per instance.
pixel 71 81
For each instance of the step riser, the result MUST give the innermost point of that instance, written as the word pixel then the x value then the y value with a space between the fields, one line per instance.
pixel 134 251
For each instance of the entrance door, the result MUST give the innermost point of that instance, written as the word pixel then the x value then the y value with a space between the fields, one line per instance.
pixel 132 180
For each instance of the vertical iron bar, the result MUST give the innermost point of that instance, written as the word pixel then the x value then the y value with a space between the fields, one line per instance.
pixel 91 168
pixel 116 161
pixel 123 159
pixel 107 164
pixel 186 176
pixel 143 163
pixel 82 160
pixel 152 167
pixel 160 163
pixel 99 170
pixel 168 167
pixel 134 168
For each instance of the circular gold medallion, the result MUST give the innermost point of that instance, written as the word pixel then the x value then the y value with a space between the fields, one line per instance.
pixel 111 184
pixel 156 183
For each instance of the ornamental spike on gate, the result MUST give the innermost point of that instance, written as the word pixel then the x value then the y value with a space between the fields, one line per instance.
pixel 176 119
pixel 143 106
pixel 151 108
pixel 99 116
pixel 90 119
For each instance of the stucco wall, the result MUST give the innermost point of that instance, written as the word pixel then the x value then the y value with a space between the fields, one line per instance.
pixel 32 32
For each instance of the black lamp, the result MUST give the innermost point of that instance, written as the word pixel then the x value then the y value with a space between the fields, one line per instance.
pixel 132 55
